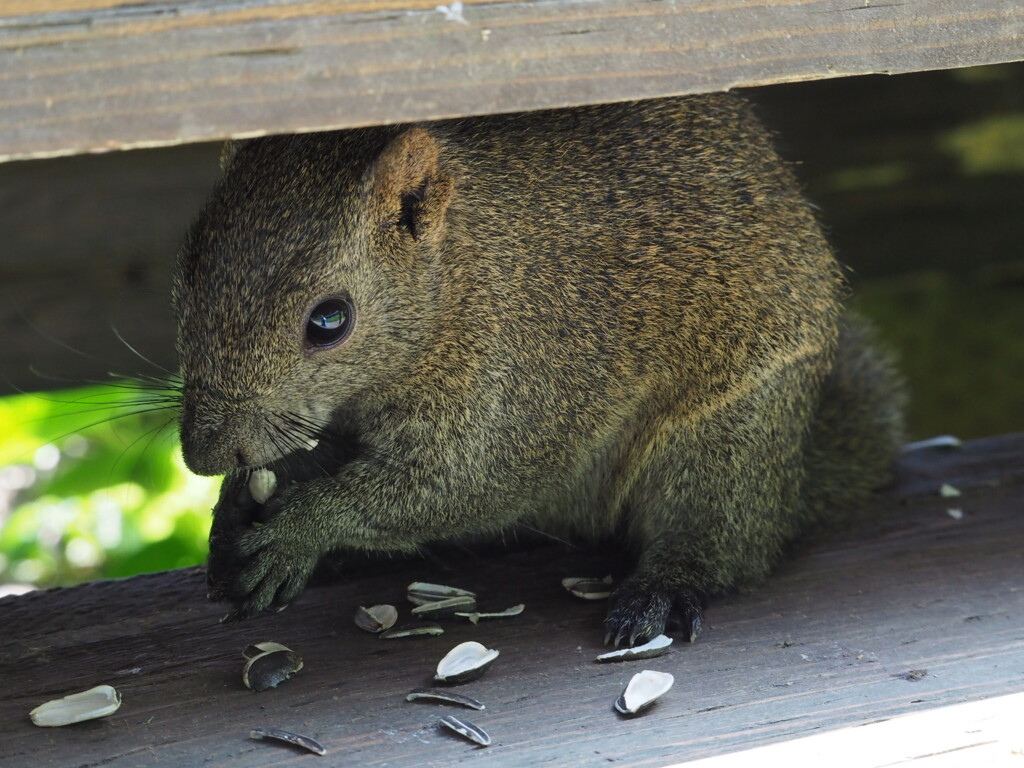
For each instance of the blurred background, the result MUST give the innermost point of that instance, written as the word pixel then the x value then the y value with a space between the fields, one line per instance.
pixel 919 180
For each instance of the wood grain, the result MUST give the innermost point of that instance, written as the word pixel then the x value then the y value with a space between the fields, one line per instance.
pixel 93 75
pixel 824 644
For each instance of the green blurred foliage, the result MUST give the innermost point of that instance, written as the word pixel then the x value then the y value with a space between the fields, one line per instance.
pixel 92 485
pixel 959 340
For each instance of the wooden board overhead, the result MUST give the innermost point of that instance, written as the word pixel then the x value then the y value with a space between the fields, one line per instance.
pixel 93 75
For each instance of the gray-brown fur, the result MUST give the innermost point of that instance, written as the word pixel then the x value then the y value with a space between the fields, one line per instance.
pixel 614 320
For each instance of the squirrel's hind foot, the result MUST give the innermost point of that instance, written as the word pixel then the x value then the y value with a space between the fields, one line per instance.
pixel 640 612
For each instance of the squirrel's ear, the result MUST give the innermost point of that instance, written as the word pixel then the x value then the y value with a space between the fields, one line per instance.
pixel 411 191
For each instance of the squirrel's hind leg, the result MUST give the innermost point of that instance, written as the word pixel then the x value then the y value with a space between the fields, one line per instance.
pixel 712 505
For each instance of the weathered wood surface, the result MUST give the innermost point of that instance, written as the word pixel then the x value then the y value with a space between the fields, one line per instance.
pixel 822 645
pixel 93 75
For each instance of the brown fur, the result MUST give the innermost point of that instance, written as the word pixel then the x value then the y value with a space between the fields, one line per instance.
pixel 610 320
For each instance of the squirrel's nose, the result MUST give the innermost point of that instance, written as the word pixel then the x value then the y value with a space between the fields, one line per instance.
pixel 218 437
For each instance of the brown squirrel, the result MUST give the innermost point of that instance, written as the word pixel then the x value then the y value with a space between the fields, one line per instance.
pixel 617 320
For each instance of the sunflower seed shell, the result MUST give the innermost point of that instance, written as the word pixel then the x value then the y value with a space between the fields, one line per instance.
pixel 467 730
pixel 446 607
pixel 412 630
pixel 588 588
pixel 449 697
pixel 256 649
pixel 420 592
pixel 474 617
pixel 289 738
pixel 643 690
pixel 466 661
pixel 270 669
pixel 376 618
pixel 656 647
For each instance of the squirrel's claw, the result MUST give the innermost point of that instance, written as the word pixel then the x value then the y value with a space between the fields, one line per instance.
pixel 640 613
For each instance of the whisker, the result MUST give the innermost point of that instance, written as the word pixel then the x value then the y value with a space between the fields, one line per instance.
pixel 297 443
pixel 545 534
pixel 136 352
pixel 152 434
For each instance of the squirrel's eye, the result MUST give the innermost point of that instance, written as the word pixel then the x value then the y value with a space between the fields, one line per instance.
pixel 329 323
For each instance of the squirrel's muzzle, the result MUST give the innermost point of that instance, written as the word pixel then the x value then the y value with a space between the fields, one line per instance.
pixel 218 436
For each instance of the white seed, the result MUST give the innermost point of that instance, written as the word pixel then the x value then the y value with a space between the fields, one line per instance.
pixel 262 483
pixel 77 707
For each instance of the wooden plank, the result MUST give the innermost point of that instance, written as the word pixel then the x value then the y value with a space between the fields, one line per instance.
pixel 93 75
pixel 981 733
pixel 825 644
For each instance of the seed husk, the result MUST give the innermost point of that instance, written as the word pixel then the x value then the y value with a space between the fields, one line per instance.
pixel 643 690
pixel 466 661
pixel 305 742
pixel 446 607
pixel 940 441
pixel 262 483
pixel 94 703
pixel 449 697
pixel 948 491
pixel 648 650
pixel 466 729
pixel 589 588
pixel 256 649
pixel 412 630
pixel 376 618
pixel 270 668
pixel 474 617
pixel 420 592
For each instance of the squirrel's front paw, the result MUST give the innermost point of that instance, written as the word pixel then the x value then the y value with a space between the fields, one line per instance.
pixel 233 516
pixel 273 570
pixel 641 610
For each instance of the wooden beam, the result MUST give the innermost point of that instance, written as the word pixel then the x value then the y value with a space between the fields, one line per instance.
pixel 916 611
pixel 93 75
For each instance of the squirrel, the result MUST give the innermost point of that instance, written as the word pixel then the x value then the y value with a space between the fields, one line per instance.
pixel 618 321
